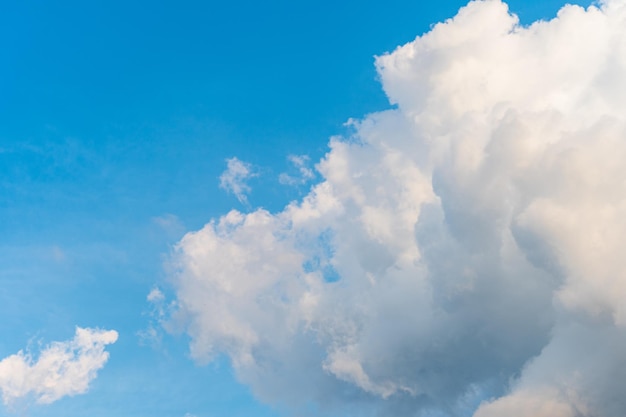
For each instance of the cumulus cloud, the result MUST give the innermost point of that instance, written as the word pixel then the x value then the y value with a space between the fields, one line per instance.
pixel 463 253
pixel 234 179
pixel 61 369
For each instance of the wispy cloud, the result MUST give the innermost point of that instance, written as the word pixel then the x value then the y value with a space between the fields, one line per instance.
pixel 152 335
pixel 304 172
pixel 61 369
pixel 234 178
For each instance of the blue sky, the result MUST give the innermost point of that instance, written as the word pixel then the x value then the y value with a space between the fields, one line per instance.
pixel 116 121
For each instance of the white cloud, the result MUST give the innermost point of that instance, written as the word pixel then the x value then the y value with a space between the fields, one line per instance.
pixel 304 173
pixel 463 253
pixel 234 178
pixel 61 369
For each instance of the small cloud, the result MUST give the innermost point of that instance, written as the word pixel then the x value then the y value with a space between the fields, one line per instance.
pixel 155 295
pixel 234 178
pixel 153 334
pixel 304 173
pixel 62 368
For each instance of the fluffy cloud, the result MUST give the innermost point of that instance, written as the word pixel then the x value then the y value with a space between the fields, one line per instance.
pixel 463 254
pixel 62 368
pixel 234 178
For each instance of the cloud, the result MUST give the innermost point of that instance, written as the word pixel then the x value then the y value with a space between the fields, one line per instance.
pixel 61 369
pixel 155 295
pixel 463 253
pixel 234 178
pixel 304 175
pixel 158 310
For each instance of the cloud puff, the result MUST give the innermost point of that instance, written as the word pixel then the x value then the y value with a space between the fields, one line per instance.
pixel 234 178
pixel 463 253
pixel 61 369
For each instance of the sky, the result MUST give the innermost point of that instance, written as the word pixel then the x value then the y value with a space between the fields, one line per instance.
pixel 308 208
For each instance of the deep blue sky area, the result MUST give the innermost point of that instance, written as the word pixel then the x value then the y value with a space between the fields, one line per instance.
pixel 116 119
pixel 112 87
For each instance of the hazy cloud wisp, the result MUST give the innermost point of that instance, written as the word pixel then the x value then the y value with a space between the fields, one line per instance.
pixel 304 172
pixel 234 179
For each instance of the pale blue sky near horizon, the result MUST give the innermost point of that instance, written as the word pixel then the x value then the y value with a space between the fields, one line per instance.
pixel 116 120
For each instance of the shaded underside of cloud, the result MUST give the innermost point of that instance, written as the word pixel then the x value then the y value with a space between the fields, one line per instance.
pixel 463 253
pixel 61 369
